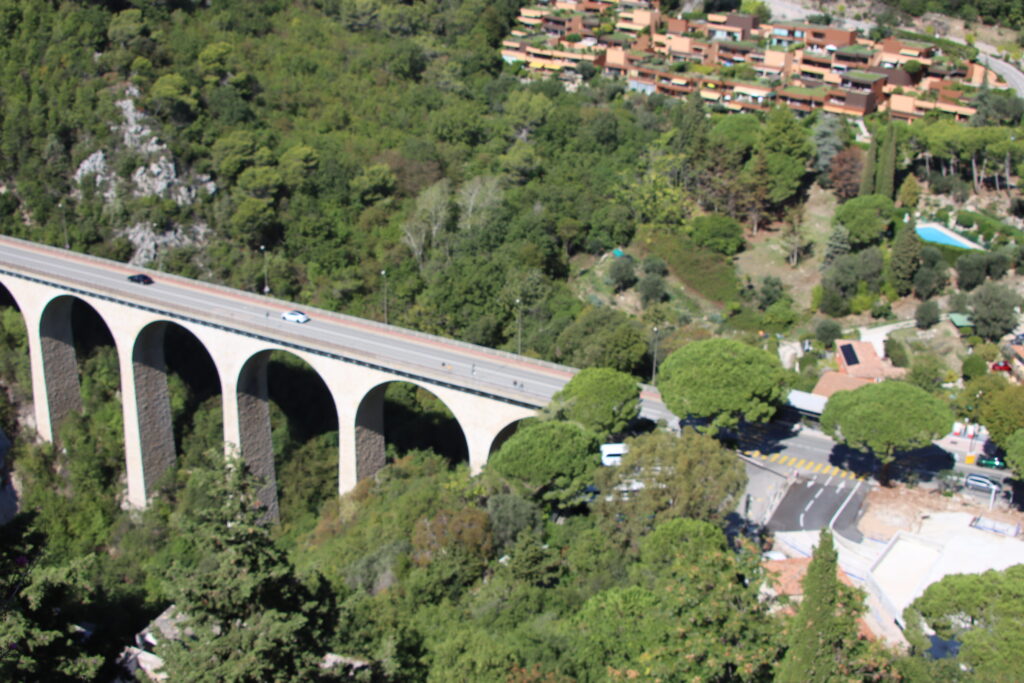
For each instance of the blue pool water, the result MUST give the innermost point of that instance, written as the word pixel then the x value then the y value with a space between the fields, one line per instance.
pixel 932 233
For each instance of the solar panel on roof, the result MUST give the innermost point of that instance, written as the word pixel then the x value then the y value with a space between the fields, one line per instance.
pixel 849 354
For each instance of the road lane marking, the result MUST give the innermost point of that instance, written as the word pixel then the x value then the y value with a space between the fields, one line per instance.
pixel 775 457
pixel 842 485
pixel 818 468
pixel 801 520
pixel 820 491
pixel 832 522
pixel 827 481
pixel 801 462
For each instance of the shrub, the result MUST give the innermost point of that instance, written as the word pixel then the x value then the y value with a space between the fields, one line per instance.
pixel 896 352
pixel 655 265
pixel 973 366
pixel 622 274
pixel 651 289
pixel 827 331
pixel 718 233
pixel 927 314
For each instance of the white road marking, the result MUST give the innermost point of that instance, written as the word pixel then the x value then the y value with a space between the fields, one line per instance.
pixel 828 481
pixel 842 483
pixel 802 520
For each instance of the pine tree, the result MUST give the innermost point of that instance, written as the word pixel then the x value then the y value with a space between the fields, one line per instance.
pixel 867 178
pixel 823 634
pixel 247 614
pixel 906 258
pixel 885 178
pixel 757 182
pixel 838 245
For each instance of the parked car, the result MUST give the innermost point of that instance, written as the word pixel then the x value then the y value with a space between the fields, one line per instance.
pixel 978 482
pixel 140 279
pixel 1001 366
pixel 295 317
pixel 993 461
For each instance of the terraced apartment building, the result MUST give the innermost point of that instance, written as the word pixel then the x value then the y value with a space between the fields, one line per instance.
pixel 743 65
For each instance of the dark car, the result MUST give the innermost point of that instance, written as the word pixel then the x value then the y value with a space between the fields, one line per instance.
pixel 993 461
pixel 140 279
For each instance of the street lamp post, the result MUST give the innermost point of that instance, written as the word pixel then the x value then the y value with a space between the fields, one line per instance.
pixel 519 326
pixel 654 357
pixel 384 275
pixel 266 278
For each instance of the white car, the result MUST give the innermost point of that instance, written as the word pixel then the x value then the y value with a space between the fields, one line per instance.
pixel 295 317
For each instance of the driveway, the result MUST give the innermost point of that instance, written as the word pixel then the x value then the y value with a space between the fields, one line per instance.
pixel 878 335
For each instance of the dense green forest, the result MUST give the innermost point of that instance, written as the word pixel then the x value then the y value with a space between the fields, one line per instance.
pixel 333 143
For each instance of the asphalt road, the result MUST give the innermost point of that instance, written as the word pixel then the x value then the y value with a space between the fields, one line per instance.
pixel 422 357
pixel 820 502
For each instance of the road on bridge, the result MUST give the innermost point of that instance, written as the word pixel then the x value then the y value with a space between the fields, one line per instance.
pixel 424 357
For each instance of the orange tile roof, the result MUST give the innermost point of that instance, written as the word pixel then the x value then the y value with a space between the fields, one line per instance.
pixel 831 382
pixel 869 365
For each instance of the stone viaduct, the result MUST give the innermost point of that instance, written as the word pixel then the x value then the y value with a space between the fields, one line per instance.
pixel 239 332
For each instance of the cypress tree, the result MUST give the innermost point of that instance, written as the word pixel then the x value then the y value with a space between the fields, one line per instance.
pixel 906 257
pixel 822 635
pixel 867 178
pixel 885 180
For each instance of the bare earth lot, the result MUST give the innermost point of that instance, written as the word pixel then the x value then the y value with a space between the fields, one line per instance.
pixel 888 510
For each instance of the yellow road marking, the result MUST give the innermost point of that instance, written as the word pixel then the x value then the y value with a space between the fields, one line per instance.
pixel 775 457
pixel 801 462
pixel 818 468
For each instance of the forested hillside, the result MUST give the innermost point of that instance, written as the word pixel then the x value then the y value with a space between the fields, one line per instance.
pixel 347 138
pixel 329 144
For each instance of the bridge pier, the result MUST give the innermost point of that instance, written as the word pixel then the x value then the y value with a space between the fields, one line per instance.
pixel 255 438
pixel 59 363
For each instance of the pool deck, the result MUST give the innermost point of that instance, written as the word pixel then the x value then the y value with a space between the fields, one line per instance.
pixel 962 241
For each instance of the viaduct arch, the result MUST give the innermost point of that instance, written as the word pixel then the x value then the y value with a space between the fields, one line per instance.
pixel 239 358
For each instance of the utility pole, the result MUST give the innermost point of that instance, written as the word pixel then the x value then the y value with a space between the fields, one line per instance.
pixel 266 279
pixel 654 357
pixel 384 275
pixel 519 326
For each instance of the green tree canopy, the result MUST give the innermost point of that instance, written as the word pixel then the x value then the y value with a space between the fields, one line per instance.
pixel 822 638
pixel 665 477
pixel 1002 412
pixel 718 233
pixel 552 459
pixel 250 616
pixel 602 400
pixel 981 611
pixel 886 418
pixel 993 310
pixel 866 218
pixel 722 380
pixel 38 638
pixel 1015 452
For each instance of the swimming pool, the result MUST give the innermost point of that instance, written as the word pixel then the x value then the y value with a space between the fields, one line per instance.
pixel 932 232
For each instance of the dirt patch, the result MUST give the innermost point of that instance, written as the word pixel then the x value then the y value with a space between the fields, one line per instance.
pixel 942 340
pixel 765 255
pixel 898 508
